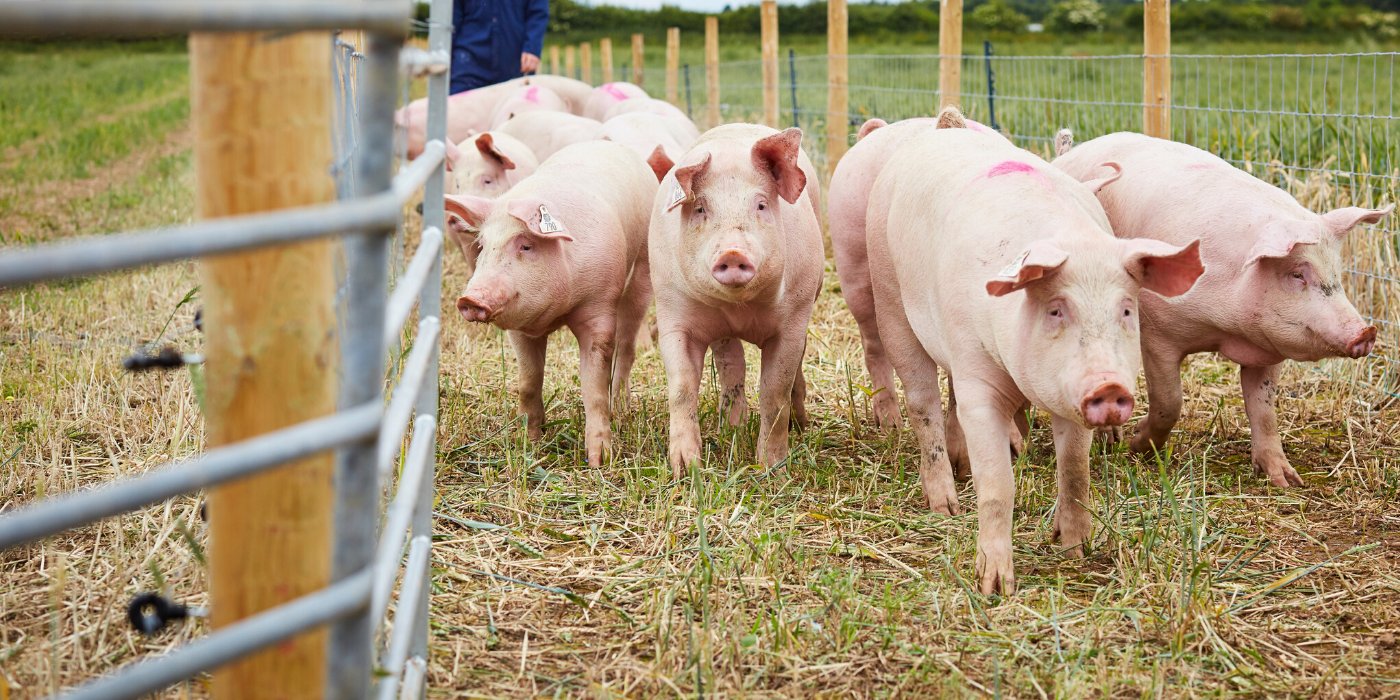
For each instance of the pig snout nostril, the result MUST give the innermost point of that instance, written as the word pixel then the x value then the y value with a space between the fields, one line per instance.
pixel 473 310
pixel 1108 405
pixel 733 269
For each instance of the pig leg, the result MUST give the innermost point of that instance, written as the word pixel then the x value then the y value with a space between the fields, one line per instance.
pixel 1072 443
pixel 884 401
pixel 596 346
pixel 1163 369
pixel 631 313
pixel 986 425
pixel 953 434
pixel 683 358
pixel 1260 389
pixel 781 365
pixel 799 398
pixel 728 355
pixel 919 374
pixel 529 353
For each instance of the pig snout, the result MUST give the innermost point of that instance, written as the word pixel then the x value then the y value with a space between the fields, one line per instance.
pixel 1107 405
pixel 733 268
pixel 1361 345
pixel 473 308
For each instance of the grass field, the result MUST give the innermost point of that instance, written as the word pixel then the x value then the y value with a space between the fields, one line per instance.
pixel 826 578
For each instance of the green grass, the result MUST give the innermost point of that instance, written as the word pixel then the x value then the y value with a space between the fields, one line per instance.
pixel 826 578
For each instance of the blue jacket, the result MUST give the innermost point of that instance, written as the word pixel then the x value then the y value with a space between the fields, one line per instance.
pixel 488 37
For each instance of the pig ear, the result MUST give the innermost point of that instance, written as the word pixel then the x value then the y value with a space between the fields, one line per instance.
pixel 540 217
pixel 869 126
pixel 777 156
pixel 951 118
pixel 687 180
pixel 467 210
pixel 486 143
pixel 1064 141
pixel 1278 241
pixel 1033 263
pixel 660 163
pixel 1163 268
pixel 1099 183
pixel 1339 221
pixel 452 153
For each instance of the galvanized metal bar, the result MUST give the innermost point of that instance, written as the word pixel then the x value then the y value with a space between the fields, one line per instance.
pixel 345 597
pixel 93 254
pixel 362 356
pixel 412 591
pixel 414 674
pixel 396 522
pixel 412 178
pixel 144 18
pixel 412 284
pixel 430 306
pixel 405 395
pixel 217 466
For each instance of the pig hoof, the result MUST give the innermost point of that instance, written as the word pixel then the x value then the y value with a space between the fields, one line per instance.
pixel 942 504
pixel 1143 444
pixel 682 455
pixel 1280 473
pixel 1071 538
pixel 886 414
pixel 994 572
pixel 738 414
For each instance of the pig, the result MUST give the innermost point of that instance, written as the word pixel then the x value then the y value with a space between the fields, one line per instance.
pixel 530 98
pixel 574 93
pixel 547 132
pixel 679 125
pixel 1272 293
pixel 850 193
pixel 468 113
pixel 492 164
pixel 605 96
pixel 643 133
pixel 566 247
pixel 992 264
pixel 736 255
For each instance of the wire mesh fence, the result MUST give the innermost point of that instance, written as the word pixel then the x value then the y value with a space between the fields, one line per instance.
pixel 1323 127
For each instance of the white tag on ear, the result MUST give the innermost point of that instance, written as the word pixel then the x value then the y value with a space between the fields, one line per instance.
pixel 1015 266
pixel 677 195
pixel 549 224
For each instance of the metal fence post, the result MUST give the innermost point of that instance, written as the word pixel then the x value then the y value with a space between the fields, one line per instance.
pixel 792 81
pixel 686 70
pixel 991 87
pixel 362 356
pixel 430 303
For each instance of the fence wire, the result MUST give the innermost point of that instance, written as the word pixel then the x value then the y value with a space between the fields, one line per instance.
pixel 1324 127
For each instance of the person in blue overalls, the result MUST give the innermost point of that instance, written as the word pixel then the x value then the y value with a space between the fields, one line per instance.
pixel 495 40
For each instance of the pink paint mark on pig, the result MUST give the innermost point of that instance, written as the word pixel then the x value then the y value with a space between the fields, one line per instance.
pixel 615 92
pixel 1008 167
pixel 979 127
pixel 532 94
pixel 1202 166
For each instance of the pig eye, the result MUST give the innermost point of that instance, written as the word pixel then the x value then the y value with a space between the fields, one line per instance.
pixel 1297 275
pixel 1127 313
pixel 1056 313
pixel 699 209
pixel 526 247
pixel 762 206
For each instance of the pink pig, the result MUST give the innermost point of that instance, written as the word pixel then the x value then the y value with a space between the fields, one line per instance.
pixel 676 121
pixel 850 193
pixel 547 132
pixel 566 247
pixel 644 133
pixel 603 97
pixel 1273 290
pixel 1001 269
pixel 528 98
pixel 488 166
pixel 469 113
pixel 736 254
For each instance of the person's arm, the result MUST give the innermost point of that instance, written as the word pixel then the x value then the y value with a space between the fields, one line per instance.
pixel 536 20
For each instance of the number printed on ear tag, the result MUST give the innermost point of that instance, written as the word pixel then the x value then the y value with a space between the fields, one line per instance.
pixel 1015 266
pixel 549 224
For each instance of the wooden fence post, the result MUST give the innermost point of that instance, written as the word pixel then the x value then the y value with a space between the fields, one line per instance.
pixel 712 69
pixel 950 16
pixel 570 61
pixel 837 80
pixel 605 55
pixel 260 111
pixel 638 59
pixel 1157 68
pixel 554 60
pixel 673 63
pixel 585 60
pixel 769 26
